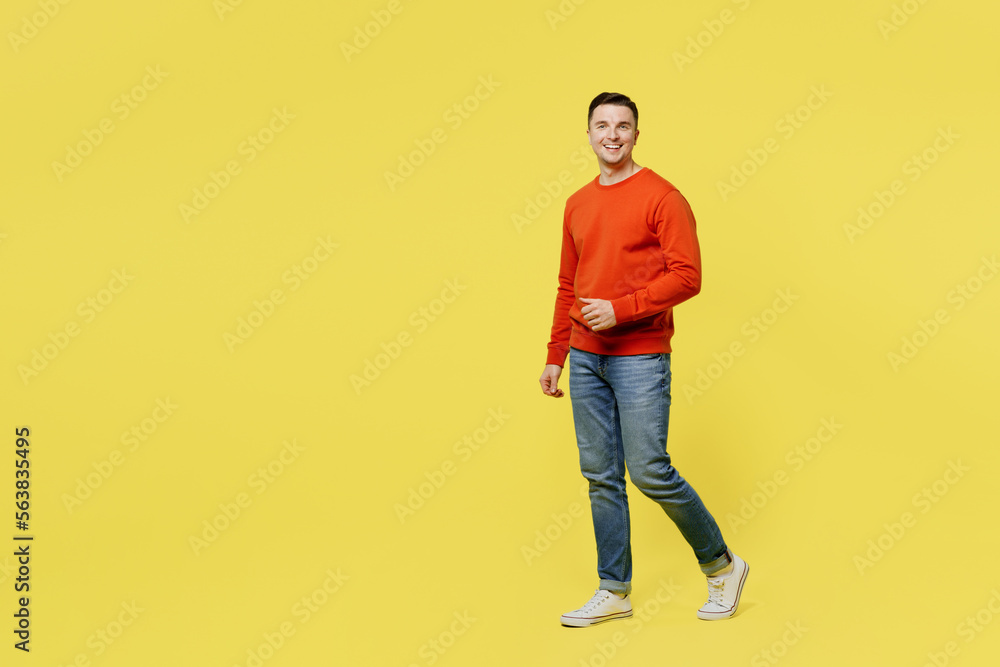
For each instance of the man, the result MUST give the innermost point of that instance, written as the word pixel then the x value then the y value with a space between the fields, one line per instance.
pixel 629 255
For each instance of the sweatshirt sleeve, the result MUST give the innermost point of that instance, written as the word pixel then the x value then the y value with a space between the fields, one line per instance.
pixel 674 226
pixel 565 298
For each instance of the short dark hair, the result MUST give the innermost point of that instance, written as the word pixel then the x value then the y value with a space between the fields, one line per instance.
pixel 618 100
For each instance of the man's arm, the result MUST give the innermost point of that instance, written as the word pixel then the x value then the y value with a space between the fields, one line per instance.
pixel 558 347
pixel 675 229
pixel 561 326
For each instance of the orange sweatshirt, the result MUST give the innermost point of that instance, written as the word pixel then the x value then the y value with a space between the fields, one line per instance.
pixel 634 244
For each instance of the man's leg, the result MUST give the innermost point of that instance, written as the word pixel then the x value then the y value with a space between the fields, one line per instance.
pixel 641 385
pixel 602 461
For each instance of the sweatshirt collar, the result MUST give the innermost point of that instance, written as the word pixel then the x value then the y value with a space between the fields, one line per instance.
pixel 630 179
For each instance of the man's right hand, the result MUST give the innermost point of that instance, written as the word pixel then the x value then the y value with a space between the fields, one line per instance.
pixel 550 381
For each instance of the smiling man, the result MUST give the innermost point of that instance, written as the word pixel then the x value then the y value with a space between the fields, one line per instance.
pixel 629 255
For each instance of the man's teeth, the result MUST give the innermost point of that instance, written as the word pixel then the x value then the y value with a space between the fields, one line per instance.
pixel 612 145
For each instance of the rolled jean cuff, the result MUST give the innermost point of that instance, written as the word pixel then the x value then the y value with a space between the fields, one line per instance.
pixel 619 587
pixel 720 563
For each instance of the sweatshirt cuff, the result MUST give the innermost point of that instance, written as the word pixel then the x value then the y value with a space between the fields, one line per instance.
pixel 624 309
pixel 556 357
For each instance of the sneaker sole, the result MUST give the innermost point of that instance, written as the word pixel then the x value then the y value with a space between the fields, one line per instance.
pixel 579 622
pixel 718 616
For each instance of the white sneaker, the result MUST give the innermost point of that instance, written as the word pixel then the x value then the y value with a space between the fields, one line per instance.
pixel 724 592
pixel 604 606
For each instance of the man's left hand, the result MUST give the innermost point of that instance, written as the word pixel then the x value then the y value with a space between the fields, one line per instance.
pixel 599 314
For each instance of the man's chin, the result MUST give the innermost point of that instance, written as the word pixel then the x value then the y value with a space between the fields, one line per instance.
pixel 615 160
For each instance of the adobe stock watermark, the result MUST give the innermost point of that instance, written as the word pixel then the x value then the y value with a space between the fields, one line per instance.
pixel 899 16
pixel 294 277
pixel 87 311
pixel 797 457
pixel 914 167
pixel 560 524
pixel 302 612
pixel 923 501
pixel 714 27
pixel 778 649
pixel 643 613
pixel 968 629
pixel 607 650
pixel 121 108
pixel 786 127
pixel 246 152
pixel 259 481
pixel 958 297
pixel 35 22
pixel 223 7
pixel 370 30
pixel 550 191
pixel 419 321
pixel 752 330
pixel 562 12
pixel 435 648
pixel 463 449
pixel 454 116
pixel 132 439
pixel 99 641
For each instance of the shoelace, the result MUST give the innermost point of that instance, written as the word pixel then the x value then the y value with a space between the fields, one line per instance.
pixel 599 597
pixel 715 589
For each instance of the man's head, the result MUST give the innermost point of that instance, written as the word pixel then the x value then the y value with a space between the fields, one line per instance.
pixel 613 127
pixel 614 99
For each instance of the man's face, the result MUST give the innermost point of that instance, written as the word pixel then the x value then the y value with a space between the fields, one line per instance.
pixel 612 134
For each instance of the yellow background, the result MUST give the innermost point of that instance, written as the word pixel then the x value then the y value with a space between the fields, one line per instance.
pixel 363 450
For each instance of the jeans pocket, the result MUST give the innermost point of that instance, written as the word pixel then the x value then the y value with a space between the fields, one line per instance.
pixel 665 375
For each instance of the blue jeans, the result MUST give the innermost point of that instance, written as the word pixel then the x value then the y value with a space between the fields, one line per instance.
pixel 621 410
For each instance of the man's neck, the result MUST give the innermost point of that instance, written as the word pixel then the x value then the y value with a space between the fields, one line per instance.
pixel 616 174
